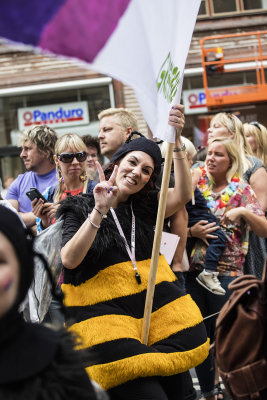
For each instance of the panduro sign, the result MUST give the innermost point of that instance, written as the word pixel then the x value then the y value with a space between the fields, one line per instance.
pixel 54 115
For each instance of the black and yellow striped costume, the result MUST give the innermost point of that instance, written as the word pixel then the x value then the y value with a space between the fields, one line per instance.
pixel 107 305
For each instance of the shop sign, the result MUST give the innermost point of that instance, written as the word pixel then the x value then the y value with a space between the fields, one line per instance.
pixel 194 101
pixel 54 115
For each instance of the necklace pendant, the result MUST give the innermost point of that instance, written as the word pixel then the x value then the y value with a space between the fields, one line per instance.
pixel 138 278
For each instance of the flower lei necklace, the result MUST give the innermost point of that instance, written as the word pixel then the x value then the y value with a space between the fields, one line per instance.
pixel 226 194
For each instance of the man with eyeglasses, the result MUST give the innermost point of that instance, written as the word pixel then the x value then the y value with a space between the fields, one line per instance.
pixel 38 144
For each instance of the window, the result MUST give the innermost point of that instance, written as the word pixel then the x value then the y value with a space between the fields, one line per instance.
pixel 254 4
pixel 222 6
pixel 209 8
pixel 203 10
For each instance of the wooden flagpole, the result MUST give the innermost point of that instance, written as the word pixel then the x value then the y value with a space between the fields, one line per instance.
pixel 157 243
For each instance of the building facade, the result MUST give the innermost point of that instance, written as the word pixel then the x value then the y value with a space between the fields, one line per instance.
pixel 218 20
pixel 37 88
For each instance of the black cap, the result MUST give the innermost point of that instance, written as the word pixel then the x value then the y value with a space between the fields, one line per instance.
pixel 141 144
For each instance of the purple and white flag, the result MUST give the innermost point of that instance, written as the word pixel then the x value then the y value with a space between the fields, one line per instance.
pixel 143 43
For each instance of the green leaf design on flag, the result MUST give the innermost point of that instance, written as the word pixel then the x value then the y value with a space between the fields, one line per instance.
pixel 168 79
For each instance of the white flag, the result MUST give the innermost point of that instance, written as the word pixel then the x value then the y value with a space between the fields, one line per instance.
pixel 148 51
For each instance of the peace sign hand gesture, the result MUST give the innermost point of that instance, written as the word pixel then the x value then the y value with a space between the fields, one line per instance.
pixel 105 192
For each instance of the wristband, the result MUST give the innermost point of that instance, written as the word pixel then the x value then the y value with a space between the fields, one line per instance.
pixel 178 149
pixel 91 222
pixel 99 212
pixel 181 158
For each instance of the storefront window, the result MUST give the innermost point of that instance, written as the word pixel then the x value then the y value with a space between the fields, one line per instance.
pixel 222 6
pixel 203 8
pixel 10 167
pixel 254 4
pixel 98 100
pixel 96 97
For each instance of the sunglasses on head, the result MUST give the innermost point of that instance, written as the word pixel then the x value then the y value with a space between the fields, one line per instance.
pixel 69 157
pixel 255 123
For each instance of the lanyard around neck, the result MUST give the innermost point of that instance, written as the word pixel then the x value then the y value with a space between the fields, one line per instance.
pixel 131 252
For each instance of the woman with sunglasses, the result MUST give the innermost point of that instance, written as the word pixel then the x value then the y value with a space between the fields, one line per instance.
pixel 70 160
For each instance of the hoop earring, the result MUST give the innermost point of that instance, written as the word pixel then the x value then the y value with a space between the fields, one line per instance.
pixel 83 177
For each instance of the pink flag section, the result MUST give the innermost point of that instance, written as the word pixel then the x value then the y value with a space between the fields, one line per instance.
pixel 80 28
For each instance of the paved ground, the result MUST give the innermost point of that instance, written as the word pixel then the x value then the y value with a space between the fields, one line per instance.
pixel 197 387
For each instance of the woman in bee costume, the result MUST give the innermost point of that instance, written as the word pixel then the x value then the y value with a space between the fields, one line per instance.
pixel 107 245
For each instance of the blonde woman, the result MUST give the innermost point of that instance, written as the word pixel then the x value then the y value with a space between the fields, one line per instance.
pixel 198 212
pixel 70 160
pixel 233 203
pixel 256 135
pixel 254 172
pixel 228 125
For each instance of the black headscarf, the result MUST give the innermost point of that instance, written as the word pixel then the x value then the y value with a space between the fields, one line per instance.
pixel 141 144
pixel 25 348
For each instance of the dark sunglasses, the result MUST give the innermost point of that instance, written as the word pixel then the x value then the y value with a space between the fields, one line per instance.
pixel 69 157
pixel 255 123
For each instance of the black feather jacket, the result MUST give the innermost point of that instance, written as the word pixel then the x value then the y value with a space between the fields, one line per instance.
pixel 108 247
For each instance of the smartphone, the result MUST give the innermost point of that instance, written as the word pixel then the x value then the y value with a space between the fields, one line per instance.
pixel 34 193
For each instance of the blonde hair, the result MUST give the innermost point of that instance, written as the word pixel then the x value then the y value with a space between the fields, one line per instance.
pixel 234 156
pixel 75 142
pixel 190 148
pixel 259 132
pixel 43 137
pixel 235 127
pixel 124 117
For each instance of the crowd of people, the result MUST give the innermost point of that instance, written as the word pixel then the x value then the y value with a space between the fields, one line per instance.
pixel 90 344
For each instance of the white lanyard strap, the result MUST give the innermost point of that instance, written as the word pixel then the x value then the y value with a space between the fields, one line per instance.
pixel 131 252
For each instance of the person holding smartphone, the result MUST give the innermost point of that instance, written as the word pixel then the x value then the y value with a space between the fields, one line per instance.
pixel 70 159
pixel 37 149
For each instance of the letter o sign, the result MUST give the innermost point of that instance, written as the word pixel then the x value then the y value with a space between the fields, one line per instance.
pixel 193 98
pixel 27 116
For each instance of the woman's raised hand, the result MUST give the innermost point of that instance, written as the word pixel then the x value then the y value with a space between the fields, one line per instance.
pixel 105 192
pixel 176 118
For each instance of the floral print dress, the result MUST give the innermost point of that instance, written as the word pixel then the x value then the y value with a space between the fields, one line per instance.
pixel 236 194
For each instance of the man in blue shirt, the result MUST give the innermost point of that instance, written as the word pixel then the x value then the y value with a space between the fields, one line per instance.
pixel 38 143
